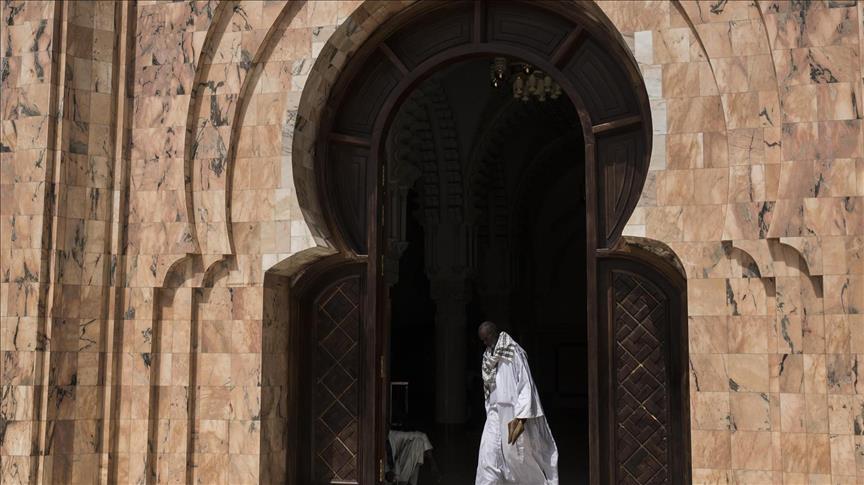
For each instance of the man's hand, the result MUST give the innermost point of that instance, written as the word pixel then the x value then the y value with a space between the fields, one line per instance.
pixel 515 428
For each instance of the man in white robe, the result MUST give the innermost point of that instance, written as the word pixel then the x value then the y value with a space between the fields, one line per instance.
pixel 517 445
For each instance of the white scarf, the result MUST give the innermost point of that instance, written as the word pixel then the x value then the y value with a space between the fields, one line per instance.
pixel 505 348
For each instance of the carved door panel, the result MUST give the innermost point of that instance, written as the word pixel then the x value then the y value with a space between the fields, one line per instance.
pixel 641 363
pixel 336 350
pixel 337 361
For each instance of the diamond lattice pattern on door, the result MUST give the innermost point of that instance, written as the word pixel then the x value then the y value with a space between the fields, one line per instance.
pixel 641 397
pixel 336 405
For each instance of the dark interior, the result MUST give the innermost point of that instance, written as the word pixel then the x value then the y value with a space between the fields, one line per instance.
pixel 521 169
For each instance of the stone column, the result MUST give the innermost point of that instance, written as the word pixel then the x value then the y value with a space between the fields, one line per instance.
pixel 450 296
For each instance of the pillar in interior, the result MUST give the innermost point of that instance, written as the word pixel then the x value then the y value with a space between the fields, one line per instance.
pixel 450 296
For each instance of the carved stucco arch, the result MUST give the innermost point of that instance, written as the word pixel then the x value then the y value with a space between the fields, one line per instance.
pixel 221 16
pixel 485 172
pixel 423 153
pixel 220 125
pixel 427 129
pixel 495 207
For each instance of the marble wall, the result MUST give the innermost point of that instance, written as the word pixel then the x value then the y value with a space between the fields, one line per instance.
pixel 155 157
pixel 756 184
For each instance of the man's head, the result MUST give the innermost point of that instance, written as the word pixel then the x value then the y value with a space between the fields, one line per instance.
pixel 488 333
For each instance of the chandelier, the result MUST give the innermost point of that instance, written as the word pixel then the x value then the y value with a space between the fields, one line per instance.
pixel 526 81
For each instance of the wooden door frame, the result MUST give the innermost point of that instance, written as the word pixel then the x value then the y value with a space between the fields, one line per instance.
pixel 603 232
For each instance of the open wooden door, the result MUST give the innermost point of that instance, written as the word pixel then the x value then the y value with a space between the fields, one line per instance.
pixel 377 397
pixel 337 377
pixel 642 342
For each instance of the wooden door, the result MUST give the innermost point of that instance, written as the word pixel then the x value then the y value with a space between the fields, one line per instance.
pixel 642 357
pixel 332 339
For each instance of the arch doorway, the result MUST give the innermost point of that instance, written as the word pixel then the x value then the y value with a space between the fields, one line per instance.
pixel 450 202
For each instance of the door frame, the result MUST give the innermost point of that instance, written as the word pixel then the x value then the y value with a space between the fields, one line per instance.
pixel 612 188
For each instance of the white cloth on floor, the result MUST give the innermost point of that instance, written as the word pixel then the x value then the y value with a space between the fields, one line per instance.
pixel 533 458
pixel 408 450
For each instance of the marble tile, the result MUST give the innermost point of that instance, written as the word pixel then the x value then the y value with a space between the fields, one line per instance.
pixel 794 452
pixel 732 74
pixel 793 413
pixel 749 334
pixel 675 187
pixel 664 223
pixel 825 26
pixel 842 454
pixel 837 101
pixel 690 115
pixel 827 64
pixel 747 183
pixel 710 186
pixel 710 410
pixel 843 294
pixel 748 450
pixel 708 334
pixel 708 372
pixel 643 46
pixel 684 151
pixel 748 221
pixel 748 372
pixel 632 17
pixel 750 412
pixel 747 146
pixel 815 379
pixel 715 150
pixel 711 449
pixel 716 37
pixel 681 79
pixel 841 371
pixel 800 103
pixel 841 414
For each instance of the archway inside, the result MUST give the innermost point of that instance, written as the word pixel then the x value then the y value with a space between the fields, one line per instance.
pixel 487 222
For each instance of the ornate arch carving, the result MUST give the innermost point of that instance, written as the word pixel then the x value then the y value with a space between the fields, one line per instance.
pixel 426 129
pixel 214 122
pixel 485 172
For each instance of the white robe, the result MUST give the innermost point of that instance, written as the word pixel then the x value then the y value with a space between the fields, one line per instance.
pixel 533 459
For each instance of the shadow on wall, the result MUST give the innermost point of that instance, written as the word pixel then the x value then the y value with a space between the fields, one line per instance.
pixel 274 379
pixel 278 432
